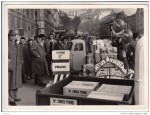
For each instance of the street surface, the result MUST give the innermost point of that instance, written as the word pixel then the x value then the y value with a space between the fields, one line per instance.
pixel 27 93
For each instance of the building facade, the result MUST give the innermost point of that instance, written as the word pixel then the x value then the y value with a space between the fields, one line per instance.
pixel 22 20
pixel 31 22
pixel 46 20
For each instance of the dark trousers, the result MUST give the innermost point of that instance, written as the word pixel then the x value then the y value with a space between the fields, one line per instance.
pixel 49 60
pixel 38 79
pixel 12 94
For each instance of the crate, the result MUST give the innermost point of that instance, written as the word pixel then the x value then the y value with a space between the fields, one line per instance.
pixel 55 91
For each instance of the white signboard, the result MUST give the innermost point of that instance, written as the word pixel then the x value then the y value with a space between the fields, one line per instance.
pixel 61 55
pixel 61 101
pixel 60 67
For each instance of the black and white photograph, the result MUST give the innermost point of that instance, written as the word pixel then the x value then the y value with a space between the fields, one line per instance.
pixel 75 55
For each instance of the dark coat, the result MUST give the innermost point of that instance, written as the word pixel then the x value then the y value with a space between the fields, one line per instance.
pixel 39 64
pixel 48 49
pixel 26 59
pixel 16 60
pixel 59 46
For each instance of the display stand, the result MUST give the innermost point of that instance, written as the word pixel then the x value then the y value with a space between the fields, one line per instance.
pixel 60 64
pixel 53 95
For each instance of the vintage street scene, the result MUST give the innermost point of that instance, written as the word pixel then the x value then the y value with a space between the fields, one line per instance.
pixel 86 56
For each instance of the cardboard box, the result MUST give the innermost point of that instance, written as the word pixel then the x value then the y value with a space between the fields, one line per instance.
pixel 115 72
pixel 97 57
pixel 61 55
pixel 80 88
pixel 106 96
pixel 89 58
pixel 121 89
pixel 108 50
pixel 103 56
pixel 112 50
pixel 102 72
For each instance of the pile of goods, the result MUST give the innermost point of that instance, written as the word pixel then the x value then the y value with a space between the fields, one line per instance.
pixel 112 92
pixel 106 64
pixel 92 90
pixel 80 88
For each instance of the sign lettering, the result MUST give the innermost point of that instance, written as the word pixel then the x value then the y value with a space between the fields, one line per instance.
pixel 62 101
pixel 116 62
pixel 58 67
pixel 78 92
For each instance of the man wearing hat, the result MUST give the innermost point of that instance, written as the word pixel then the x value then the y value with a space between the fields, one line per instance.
pixel 39 64
pixel 15 60
pixel 49 43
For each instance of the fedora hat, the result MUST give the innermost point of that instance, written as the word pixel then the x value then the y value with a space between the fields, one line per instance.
pixel 13 32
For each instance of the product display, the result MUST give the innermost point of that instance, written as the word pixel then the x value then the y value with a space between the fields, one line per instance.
pixel 111 92
pixel 103 56
pixel 110 68
pixel 87 91
pixel 80 88
pixel 103 72
pixel 88 70
pixel 121 89
pixel 115 72
pixel 106 96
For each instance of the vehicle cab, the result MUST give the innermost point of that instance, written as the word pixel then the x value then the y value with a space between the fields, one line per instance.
pixel 78 54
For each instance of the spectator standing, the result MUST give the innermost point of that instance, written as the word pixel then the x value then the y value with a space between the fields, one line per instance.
pixel 69 43
pixel 29 44
pixel 59 44
pixel 39 64
pixel 49 43
pixel 26 60
pixel 15 58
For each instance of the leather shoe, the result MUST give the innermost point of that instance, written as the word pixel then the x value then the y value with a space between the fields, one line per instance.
pixel 17 99
pixel 12 103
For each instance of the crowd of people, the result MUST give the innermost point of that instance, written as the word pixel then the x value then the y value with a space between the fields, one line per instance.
pixel 31 59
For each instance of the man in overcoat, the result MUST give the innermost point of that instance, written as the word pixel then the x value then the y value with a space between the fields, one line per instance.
pixel 15 60
pixel 39 64
pixel 26 59
pixel 49 44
